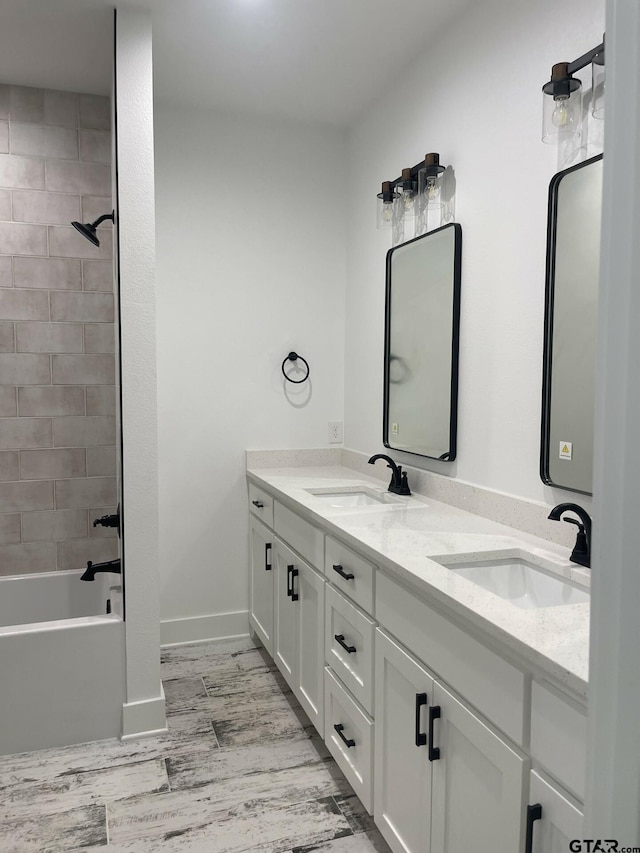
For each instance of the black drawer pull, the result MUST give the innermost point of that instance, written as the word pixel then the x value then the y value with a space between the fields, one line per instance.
pixel 533 813
pixel 289 584
pixel 434 714
pixel 421 700
pixel 267 550
pixel 348 742
pixel 346 575
pixel 294 574
pixel 340 639
pixel 259 504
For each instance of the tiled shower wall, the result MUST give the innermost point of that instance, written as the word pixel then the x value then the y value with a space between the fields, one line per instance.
pixel 57 374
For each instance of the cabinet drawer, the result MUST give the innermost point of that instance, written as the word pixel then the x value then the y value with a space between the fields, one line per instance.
pixel 261 504
pixel 303 537
pixel 495 687
pixel 559 737
pixel 341 561
pixel 346 625
pixel 352 746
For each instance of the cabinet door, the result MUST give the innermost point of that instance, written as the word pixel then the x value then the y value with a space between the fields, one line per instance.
pixel 261 583
pixel 402 772
pixel 478 783
pixel 284 629
pixel 309 586
pixel 559 820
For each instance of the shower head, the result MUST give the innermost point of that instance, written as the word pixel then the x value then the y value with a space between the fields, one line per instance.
pixel 88 229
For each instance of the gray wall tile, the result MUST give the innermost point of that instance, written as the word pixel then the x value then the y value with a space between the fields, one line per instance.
pixel 18 239
pixel 5 205
pixel 9 529
pixel 99 337
pixel 9 465
pixel 48 208
pixel 5 100
pixel 48 273
pixel 53 525
pixel 101 532
pixel 49 337
pixel 68 243
pixel 8 407
pixel 6 274
pixel 75 553
pixel 52 464
pixel 82 307
pixel 4 137
pixel 27 103
pixel 61 108
pixel 24 304
pixel 95 146
pixel 98 275
pixel 94 206
pixel 50 401
pixel 25 369
pixel 7 343
pixel 40 141
pixel 95 112
pixel 31 557
pixel 101 400
pixel 83 370
pixel 94 491
pixel 101 461
pixel 84 432
pixel 28 495
pixel 21 172
pixel 69 176
pixel 19 433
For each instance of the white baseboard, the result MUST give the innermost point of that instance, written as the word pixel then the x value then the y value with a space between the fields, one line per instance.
pixel 199 629
pixel 145 718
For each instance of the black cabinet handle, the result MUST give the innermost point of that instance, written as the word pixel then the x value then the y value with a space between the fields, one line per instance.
pixel 533 813
pixel 289 582
pixel 421 738
pixel 340 639
pixel 259 504
pixel 348 742
pixel 267 550
pixel 434 714
pixel 346 575
pixel 294 575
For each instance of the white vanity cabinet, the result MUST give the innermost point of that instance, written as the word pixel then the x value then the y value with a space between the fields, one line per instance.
pixel 261 584
pixel 444 782
pixel 299 630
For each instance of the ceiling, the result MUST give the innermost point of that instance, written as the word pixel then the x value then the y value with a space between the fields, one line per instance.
pixel 312 60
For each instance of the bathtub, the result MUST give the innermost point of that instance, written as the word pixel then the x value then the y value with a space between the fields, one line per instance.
pixel 61 661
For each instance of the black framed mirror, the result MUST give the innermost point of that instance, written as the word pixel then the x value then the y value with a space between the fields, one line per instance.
pixel 570 327
pixel 422 333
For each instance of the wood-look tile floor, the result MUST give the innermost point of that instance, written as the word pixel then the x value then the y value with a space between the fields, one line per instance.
pixel 241 769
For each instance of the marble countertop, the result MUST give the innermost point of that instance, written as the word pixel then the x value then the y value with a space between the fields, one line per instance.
pixel 406 535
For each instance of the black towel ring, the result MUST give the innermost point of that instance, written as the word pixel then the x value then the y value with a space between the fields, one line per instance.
pixel 293 356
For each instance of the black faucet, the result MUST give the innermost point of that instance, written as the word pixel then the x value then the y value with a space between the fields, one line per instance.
pixel 93 569
pixel 398 484
pixel 581 553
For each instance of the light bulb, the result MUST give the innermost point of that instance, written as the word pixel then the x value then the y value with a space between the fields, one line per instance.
pixel 433 190
pixel 407 198
pixel 387 212
pixel 563 114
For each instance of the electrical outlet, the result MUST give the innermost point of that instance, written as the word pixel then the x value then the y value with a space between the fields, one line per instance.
pixel 335 432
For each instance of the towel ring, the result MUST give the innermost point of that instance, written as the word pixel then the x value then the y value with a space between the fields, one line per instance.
pixel 293 356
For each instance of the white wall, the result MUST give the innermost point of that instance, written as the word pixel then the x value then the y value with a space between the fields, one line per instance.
pixel 474 96
pixel 251 264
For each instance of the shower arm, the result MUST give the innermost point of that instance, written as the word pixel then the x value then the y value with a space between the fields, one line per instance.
pixel 102 218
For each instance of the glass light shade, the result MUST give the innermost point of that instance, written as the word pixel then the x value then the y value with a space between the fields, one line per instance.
pixel 597 88
pixel 430 195
pixel 562 116
pixel 385 214
pixel 407 189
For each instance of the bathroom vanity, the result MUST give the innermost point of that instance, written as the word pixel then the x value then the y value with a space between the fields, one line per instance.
pixel 453 710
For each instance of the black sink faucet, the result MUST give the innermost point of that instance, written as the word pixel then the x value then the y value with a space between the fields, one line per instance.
pixel 398 484
pixel 581 553
pixel 93 569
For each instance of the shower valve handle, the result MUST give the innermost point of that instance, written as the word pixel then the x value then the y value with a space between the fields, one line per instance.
pixel 107 521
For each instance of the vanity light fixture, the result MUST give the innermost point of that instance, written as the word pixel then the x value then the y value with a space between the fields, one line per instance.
pixel 562 104
pixel 386 200
pixel 416 196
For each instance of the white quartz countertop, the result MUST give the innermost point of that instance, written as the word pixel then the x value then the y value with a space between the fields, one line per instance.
pixel 404 538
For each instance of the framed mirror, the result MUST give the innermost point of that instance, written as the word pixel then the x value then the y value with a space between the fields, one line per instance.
pixel 571 319
pixel 422 326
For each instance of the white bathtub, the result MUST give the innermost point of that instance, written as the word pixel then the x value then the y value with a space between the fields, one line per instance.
pixel 61 661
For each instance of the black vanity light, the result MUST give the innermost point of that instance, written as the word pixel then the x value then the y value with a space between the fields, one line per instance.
pixel 88 229
pixel 415 197
pixel 562 106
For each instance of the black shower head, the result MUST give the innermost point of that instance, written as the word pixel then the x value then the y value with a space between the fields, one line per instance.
pixel 88 229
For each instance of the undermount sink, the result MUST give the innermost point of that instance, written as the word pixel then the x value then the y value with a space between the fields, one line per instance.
pixel 355 496
pixel 518 580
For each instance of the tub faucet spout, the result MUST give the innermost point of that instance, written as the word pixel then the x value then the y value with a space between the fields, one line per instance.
pixel 93 569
